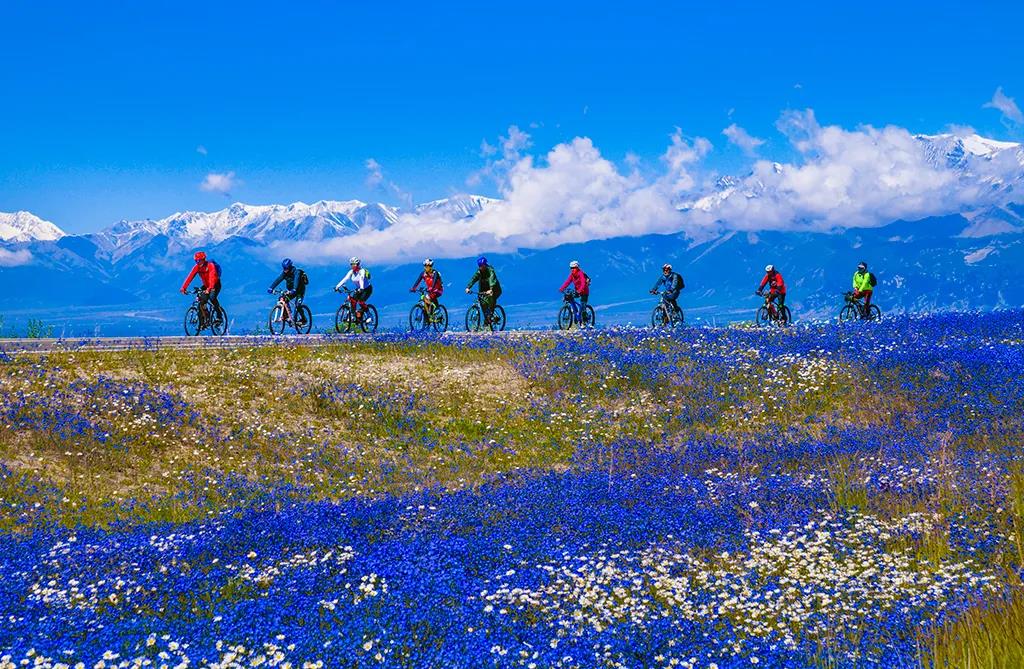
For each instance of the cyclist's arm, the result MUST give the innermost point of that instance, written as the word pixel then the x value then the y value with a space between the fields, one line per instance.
pixel 191 275
pixel 567 282
pixel 277 281
pixel 476 277
pixel 418 280
pixel 763 282
pixel 344 280
pixel 657 285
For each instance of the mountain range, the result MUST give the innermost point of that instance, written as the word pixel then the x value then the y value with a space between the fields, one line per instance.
pixel 124 279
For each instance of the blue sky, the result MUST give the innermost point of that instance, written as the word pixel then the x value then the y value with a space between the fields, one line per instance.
pixel 104 105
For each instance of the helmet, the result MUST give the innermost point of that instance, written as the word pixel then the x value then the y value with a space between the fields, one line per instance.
pixel 199 256
pixel 353 260
pixel 481 261
pixel 666 268
pixel 428 262
pixel 863 265
pixel 769 268
pixel 287 264
pixel 574 264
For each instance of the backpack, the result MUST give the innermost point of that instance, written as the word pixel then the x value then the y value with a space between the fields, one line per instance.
pixel 216 268
pixel 681 284
pixel 303 278
pixel 872 279
pixel 586 277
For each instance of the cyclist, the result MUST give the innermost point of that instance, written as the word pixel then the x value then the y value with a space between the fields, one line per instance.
pixel 864 283
pixel 776 286
pixel 580 283
pixel 360 278
pixel 295 280
pixel 209 274
pixel 670 284
pixel 431 278
pixel 490 287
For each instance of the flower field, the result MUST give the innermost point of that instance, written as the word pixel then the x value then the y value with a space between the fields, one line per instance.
pixel 823 496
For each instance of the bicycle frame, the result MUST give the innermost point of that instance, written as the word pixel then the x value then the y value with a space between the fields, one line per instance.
pixel 570 298
pixel 205 315
pixel 286 308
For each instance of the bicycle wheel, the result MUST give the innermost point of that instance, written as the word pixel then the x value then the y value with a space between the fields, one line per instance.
pixel 303 319
pixel 589 317
pixel 874 313
pixel 219 322
pixel 343 319
pixel 417 318
pixel 368 323
pixel 763 317
pixel 678 318
pixel 498 319
pixel 785 316
pixel 565 317
pixel 275 322
pixel 848 313
pixel 474 319
pixel 440 318
pixel 192 321
pixel 659 316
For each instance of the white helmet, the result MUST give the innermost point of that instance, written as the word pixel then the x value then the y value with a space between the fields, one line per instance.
pixel 353 260
pixel 574 264
pixel 428 262
pixel 769 268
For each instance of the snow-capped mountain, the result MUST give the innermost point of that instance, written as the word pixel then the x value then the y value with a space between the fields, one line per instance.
pixel 22 226
pixel 457 206
pixel 961 152
pixel 264 224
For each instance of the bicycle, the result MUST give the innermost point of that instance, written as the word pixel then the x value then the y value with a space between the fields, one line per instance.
pixel 572 313
pixel 345 319
pixel 665 314
pixel 423 316
pixel 854 309
pixel 199 317
pixel 768 314
pixel 475 321
pixel 281 316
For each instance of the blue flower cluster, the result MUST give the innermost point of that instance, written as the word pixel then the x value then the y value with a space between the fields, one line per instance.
pixel 749 542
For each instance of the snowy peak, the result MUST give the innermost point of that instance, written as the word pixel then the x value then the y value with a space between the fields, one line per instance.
pixel 458 206
pixel 960 151
pixel 22 226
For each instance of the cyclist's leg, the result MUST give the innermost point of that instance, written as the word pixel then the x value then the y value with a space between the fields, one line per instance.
pixel 583 308
pixel 213 296
pixel 487 303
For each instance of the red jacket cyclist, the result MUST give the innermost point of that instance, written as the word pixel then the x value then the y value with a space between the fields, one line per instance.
pixel 580 283
pixel 209 274
pixel 776 285
pixel 431 279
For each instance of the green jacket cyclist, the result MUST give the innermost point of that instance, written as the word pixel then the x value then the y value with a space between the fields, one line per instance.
pixel 490 287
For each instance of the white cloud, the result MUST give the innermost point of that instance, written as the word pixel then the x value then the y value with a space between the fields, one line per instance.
pixel 743 139
pixel 575 195
pixel 14 258
pixel 679 156
pixel 201 150
pixel 219 183
pixel 1007 106
pixel 841 178
pixel 376 180
pixel 847 178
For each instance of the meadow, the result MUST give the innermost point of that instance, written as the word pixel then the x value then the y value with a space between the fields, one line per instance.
pixel 824 496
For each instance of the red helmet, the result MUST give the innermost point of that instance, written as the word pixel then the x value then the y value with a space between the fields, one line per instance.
pixel 199 256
